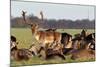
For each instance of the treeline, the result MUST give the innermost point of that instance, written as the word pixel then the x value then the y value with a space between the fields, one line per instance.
pixel 17 22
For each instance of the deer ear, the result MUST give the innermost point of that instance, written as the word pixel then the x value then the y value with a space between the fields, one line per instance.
pixel 93 36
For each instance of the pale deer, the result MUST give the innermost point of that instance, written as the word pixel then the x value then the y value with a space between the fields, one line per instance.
pixel 43 37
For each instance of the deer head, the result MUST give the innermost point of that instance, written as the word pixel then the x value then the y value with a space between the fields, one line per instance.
pixel 34 26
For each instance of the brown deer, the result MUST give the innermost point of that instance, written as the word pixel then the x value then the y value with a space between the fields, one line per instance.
pixel 84 46
pixel 85 53
pixel 52 51
pixel 43 37
pixel 13 42
pixel 19 54
pixel 67 42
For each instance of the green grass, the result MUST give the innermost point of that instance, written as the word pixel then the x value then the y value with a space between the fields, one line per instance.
pixel 24 37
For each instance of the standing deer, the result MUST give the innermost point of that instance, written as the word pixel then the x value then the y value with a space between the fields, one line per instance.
pixel 43 37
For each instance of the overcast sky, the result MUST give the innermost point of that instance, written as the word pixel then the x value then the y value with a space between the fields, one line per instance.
pixel 53 11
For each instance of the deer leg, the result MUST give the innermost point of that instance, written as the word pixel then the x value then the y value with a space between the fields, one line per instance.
pixel 62 56
pixel 43 50
pixel 40 49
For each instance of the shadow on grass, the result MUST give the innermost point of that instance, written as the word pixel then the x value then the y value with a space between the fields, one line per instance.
pixel 37 61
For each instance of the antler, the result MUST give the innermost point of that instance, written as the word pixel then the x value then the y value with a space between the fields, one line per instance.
pixel 23 14
pixel 24 17
pixel 41 13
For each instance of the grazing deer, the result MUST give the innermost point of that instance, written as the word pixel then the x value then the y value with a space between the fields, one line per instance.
pixel 43 37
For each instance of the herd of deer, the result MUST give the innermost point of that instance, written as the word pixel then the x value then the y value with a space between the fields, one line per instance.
pixel 53 43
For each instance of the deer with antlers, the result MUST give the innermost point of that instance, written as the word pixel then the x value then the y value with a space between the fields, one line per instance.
pixel 43 37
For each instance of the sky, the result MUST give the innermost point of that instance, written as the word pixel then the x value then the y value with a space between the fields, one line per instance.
pixel 53 11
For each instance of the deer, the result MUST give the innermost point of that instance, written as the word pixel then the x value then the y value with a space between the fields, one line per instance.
pixel 42 37
pixel 13 42
pixel 19 54
pixel 79 39
pixel 67 42
pixel 51 51
pixel 84 46
pixel 85 53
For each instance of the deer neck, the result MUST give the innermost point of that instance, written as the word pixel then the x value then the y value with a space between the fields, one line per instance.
pixel 35 34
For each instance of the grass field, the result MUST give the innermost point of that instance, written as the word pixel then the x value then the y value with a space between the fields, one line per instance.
pixel 24 37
